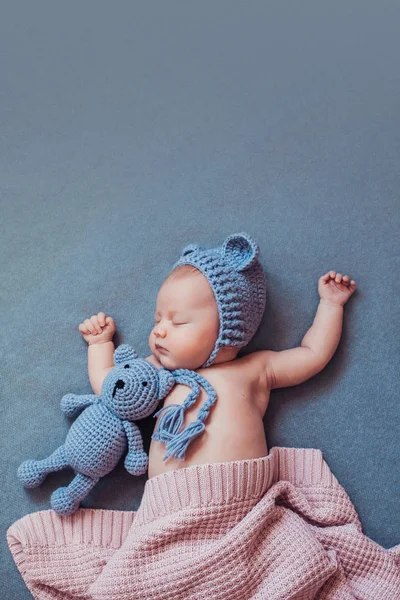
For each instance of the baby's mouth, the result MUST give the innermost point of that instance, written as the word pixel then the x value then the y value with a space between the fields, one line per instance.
pixel 161 348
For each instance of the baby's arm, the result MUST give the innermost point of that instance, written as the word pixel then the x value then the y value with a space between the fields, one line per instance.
pixel 293 366
pixel 100 363
pixel 98 331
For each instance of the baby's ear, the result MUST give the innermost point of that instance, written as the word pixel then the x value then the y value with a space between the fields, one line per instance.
pixel 240 251
pixel 124 353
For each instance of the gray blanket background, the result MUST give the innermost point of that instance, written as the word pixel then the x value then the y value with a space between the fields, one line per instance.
pixel 130 129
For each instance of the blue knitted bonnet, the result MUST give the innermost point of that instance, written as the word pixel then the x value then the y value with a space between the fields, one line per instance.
pixel 238 282
pixel 237 279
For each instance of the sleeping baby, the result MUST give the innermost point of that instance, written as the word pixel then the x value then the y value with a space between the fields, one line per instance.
pixel 208 308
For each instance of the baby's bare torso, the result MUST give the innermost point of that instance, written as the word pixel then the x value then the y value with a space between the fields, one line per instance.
pixel 234 427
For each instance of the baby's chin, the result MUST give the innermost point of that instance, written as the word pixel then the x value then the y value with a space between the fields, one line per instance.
pixel 166 360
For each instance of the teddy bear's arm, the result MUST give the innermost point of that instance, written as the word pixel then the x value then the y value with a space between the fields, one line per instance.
pixel 71 404
pixel 136 461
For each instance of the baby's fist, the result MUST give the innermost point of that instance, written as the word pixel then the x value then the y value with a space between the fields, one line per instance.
pixel 335 288
pixel 98 329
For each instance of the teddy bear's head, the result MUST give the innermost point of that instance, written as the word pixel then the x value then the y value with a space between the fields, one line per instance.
pixel 134 387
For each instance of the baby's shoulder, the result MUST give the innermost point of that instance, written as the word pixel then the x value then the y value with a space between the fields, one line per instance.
pixel 249 368
pixel 253 361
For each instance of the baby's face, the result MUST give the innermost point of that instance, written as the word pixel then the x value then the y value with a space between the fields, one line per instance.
pixel 186 323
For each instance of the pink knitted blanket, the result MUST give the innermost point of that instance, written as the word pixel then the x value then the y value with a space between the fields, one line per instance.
pixel 276 527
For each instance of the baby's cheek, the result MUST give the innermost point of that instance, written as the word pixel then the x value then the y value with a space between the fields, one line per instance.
pixel 202 340
pixel 186 342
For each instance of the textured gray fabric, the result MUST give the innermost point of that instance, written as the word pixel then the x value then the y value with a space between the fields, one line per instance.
pixel 128 130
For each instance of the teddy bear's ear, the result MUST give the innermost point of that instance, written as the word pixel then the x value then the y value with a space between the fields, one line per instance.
pixel 240 251
pixel 124 353
pixel 167 382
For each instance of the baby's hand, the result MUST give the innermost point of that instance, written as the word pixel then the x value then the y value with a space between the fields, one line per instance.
pixel 334 288
pixel 98 329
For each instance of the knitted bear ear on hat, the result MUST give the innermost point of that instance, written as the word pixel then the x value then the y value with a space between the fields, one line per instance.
pixel 124 353
pixel 191 248
pixel 240 251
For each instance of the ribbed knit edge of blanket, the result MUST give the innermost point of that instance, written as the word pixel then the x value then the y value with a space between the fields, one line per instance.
pixel 276 527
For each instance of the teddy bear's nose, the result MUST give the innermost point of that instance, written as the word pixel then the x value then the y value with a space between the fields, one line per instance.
pixel 120 384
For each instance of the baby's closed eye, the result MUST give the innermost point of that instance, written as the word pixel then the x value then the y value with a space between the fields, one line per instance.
pixel 174 322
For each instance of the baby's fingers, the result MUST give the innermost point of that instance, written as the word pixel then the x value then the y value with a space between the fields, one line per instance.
pixel 348 282
pixel 339 278
pixel 328 275
pixel 97 326
pixel 90 326
pixel 102 319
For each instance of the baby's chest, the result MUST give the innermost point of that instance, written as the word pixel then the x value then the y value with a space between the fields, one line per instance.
pixel 234 426
pixel 234 398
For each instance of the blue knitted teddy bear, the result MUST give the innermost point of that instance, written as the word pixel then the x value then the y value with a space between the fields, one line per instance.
pixel 104 430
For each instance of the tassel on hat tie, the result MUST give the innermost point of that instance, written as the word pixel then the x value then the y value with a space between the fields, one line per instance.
pixel 168 427
pixel 172 419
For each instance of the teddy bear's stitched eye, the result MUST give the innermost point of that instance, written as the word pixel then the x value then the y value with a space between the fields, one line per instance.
pixel 144 383
pixel 126 367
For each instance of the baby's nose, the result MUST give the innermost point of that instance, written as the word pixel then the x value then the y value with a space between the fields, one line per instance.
pixel 160 332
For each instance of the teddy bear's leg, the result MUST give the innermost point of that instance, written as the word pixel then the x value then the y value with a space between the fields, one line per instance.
pixel 33 472
pixel 66 500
